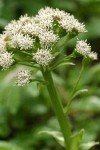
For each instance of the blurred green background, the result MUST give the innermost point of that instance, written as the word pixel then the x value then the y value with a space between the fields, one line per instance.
pixel 26 111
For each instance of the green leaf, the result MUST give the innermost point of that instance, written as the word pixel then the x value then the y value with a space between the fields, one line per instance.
pixel 39 81
pixel 80 92
pixel 62 64
pixel 9 146
pixel 65 63
pixel 57 135
pixel 76 140
pixel 87 146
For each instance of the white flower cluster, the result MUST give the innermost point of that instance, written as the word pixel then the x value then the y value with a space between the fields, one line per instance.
pixel 65 20
pixel 43 57
pixel 85 49
pixel 24 31
pixel 21 41
pixel 47 38
pixel 37 35
pixel 6 60
pixel 23 77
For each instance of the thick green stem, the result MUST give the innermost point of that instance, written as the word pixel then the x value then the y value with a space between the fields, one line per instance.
pixel 58 108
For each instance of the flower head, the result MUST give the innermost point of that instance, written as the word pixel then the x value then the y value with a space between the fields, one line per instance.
pixel 24 19
pixel 47 38
pixel 83 48
pixel 23 77
pixel 43 57
pixel 23 42
pixel 14 27
pixel 6 60
pixel 40 33
pixel 45 17
pixel 64 19
pixel 69 23
pixel 93 55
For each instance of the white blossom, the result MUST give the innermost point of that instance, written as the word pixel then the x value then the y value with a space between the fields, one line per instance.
pixel 43 57
pixel 47 11
pixel 24 19
pixel 68 22
pixel 24 42
pixel 14 27
pixel 65 20
pixel 83 48
pixel 93 55
pixel 23 77
pixel 59 14
pixel 31 28
pixel 6 60
pixel 45 17
pixel 80 27
pixel 48 37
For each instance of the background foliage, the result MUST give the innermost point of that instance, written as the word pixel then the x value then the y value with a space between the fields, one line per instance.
pixel 24 112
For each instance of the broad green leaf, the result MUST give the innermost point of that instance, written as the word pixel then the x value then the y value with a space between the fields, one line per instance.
pixel 87 146
pixel 9 146
pixel 39 81
pixel 76 140
pixel 57 135
pixel 80 92
pixel 62 64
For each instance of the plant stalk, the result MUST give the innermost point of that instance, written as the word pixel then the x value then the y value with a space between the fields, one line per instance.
pixel 58 108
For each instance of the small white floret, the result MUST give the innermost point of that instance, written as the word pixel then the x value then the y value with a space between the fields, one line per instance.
pixel 24 42
pixel 24 19
pixel 14 27
pixel 69 23
pixel 23 77
pixel 47 37
pixel 93 55
pixel 6 60
pixel 83 48
pixel 43 57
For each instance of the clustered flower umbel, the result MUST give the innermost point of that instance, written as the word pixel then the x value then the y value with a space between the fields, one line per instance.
pixel 37 36
pixel 23 77
pixel 85 49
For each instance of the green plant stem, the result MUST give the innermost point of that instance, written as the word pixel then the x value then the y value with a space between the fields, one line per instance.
pixel 67 108
pixel 58 108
